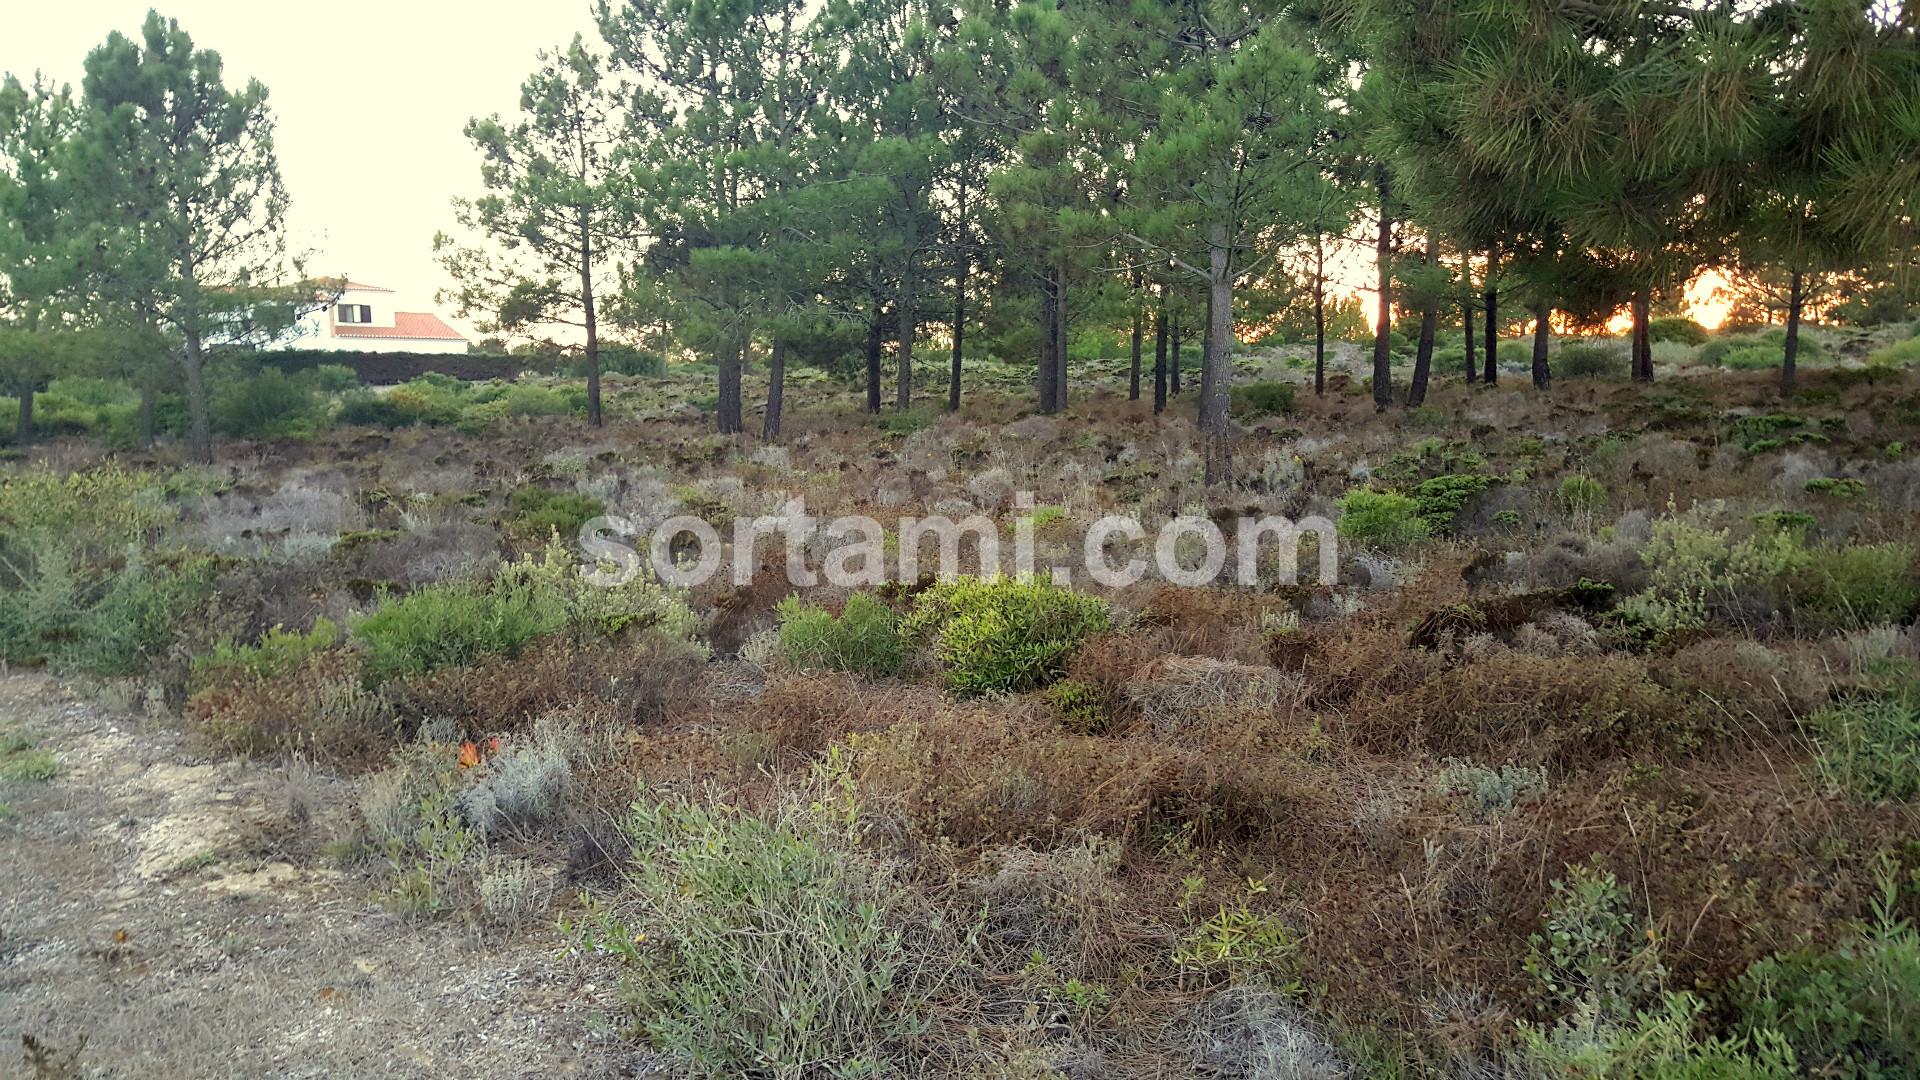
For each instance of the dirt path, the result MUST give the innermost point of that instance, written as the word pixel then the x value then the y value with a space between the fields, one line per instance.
pixel 171 917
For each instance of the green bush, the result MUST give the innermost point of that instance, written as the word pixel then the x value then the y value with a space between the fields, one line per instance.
pixel 1259 399
pixel 1852 1010
pixel 1590 361
pixel 1859 584
pixel 79 589
pixel 1385 518
pixel 1080 706
pixel 268 404
pixel 625 360
pixel 760 945
pixel 864 639
pixel 1004 634
pixel 1677 328
pixel 1593 955
pixel 1900 353
pixel 459 624
pixel 1440 498
pixel 449 626
pixel 330 378
pixel 1582 494
pixel 278 652
pixel 536 513
pixel 1871 748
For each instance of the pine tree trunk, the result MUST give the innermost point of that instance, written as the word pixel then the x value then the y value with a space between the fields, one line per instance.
pixel 732 358
pixel 1160 354
pixel 1383 327
pixel 1642 343
pixel 592 320
pixel 1319 315
pixel 1542 336
pixel 1060 339
pixel 959 324
pixel 875 333
pixel 776 390
pixel 1490 303
pixel 903 398
pixel 149 405
pixel 1423 351
pixel 1139 328
pixel 201 431
pixel 23 426
pixel 1049 371
pixel 1216 366
pixel 1466 320
pixel 1796 299
pixel 1173 370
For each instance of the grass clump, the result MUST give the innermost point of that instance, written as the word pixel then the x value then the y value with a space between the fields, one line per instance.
pixel 1849 1011
pixel 1440 498
pixel 1004 634
pixel 458 624
pixel 1082 707
pixel 1590 361
pixel 864 639
pixel 1263 399
pixel 1871 748
pixel 1677 328
pixel 21 762
pixel 278 652
pixel 536 513
pixel 759 944
pixel 1384 518
pixel 1489 792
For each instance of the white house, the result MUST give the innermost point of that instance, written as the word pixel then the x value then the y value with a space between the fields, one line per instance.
pixel 366 319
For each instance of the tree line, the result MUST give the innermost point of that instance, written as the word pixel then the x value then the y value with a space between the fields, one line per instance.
pixel 785 182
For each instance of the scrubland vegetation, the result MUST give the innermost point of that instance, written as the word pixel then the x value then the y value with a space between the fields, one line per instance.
pixel 1598 760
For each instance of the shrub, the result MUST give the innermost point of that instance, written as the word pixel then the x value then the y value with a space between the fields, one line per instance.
pixel 458 624
pixel 1259 399
pixel 331 378
pixel 23 763
pixel 1582 495
pixel 536 513
pixel 268 404
pixel 1900 353
pixel 1489 792
pixel 1590 361
pixel 864 639
pixel 1385 518
pixel 1662 1043
pixel 759 945
pixel 1859 584
pixel 1592 955
pixel 1871 748
pixel 1677 328
pixel 524 785
pixel 1004 634
pixel 1853 1010
pixel 276 653
pixel 1082 707
pixel 320 707
pixel 448 626
pixel 1441 497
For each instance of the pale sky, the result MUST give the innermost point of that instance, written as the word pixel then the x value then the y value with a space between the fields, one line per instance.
pixel 370 99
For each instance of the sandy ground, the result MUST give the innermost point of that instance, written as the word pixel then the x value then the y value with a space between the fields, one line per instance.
pixel 165 915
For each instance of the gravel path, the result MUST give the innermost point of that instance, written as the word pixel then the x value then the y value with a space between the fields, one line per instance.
pixel 164 915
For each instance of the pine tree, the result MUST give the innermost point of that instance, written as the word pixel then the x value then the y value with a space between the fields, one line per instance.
pixel 558 209
pixel 194 162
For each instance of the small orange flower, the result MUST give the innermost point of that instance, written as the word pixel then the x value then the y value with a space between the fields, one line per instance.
pixel 469 755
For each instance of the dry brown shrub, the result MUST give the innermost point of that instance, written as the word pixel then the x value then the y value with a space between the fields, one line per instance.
pixel 1513 704
pixel 1745 681
pixel 1222 623
pixel 320 709
pixel 979 775
pixel 802 714
pixel 740 611
pixel 648 679
pixel 1179 691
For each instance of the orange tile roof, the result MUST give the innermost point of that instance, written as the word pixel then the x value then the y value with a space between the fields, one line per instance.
pixel 406 324
pixel 354 286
